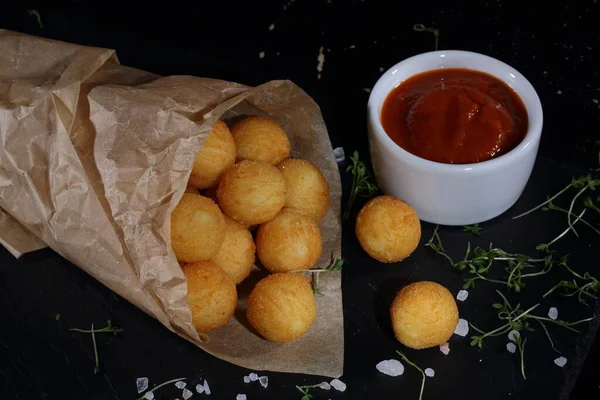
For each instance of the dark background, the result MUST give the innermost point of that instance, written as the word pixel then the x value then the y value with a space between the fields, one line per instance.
pixel 554 45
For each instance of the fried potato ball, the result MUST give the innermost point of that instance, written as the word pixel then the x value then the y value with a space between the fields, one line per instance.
pixel 251 192
pixel 260 139
pixel 191 190
pixel 388 229
pixel 289 242
pixel 197 228
pixel 216 155
pixel 282 307
pixel 212 295
pixel 306 188
pixel 237 254
pixel 424 314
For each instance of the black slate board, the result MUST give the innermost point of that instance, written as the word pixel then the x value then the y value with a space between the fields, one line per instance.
pixel 43 359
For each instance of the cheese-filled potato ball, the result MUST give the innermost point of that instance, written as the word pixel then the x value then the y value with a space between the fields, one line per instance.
pixel 388 229
pixel 212 295
pixel 237 254
pixel 197 228
pixel 216 155
pixel 306 188
pixel 290 241
pixel 251 192
pixel 260 139
pixel 424 314
pixel 282 307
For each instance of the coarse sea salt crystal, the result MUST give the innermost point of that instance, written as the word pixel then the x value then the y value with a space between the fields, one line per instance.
pixel 324 386
pixel 180 384
pixel 149 396
pixel 253 377
pixel 462 328
pixel 246 379
pixel 141 384
pixel 429 372
pixel 261 55
pixel 200 388
pixel 241 397
pixel 553 313
pixel 264 381
pixel 445 348
pixel 206 387
pixel 390 367
pixel 560 361
pixel 513 335
pixel 338 385
pixel 339 154
pixel 462 295
pixel 511 347
pixel 186 394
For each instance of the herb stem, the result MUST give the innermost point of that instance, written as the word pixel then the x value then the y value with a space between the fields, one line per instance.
pixel 557 208
pixel 97 366
pixel 544 203
pixel 522 352
pixel 571 209
pixel 548 335
pixel 556 239
pixel 417 368
pixel 159 386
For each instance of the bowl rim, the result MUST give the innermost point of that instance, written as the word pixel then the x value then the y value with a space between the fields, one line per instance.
pixel 535 116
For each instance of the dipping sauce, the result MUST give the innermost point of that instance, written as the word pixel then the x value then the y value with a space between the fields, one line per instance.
pixel 454 116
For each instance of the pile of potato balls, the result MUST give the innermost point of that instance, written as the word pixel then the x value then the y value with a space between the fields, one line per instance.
pixel 248 181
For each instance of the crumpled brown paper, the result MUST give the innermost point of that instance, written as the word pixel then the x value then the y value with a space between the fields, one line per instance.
pixel 94 156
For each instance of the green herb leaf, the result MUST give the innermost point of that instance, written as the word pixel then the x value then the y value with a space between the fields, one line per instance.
pixel 38 17
pixel 473 229
pixel 362 184
pixel 423 28
pixel 57 316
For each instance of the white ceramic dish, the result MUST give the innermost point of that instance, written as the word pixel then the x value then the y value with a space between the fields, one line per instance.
pixel 453 194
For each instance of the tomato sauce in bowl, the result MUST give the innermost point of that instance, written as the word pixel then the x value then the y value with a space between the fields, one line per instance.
pixel 454 116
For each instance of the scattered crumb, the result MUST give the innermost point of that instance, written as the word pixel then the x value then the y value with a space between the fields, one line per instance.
pixel 381 69
pixel 352 46
pixel 271 27
pixel 180 384
pixel 511 347
pixel 374 41
pixel 150 395
pixel 513 335
pixel 545 72
pixel 277 53
pixel 324 386
pixel 264 381
pixel 367 90
pixel 560 361
pixel 553 313
pixel 141 384
pixel 246 379
pixel 462 295
pixel 261 55
pixel 186 394
pixel 445 348
pixel 462 328
pixel 339 154
pixel 338 385
pixel 241 397
pixel 320 62
pixel 595 101
pixel 429 372
pixel 253 377
pixel 559 92
pixel 390 367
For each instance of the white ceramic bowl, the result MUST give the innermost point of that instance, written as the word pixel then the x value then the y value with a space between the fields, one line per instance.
pixel 453 194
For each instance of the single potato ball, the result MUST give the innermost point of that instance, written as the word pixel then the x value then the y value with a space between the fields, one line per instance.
pixel 424 314
pixel 251 192
pixel 289 242
pixel 306 188
pixel 237 254
pixel 212 295
pixel 191 190
pixel 197 228
pixel 282 307
pixel 388 229
pixel 260 139
pixel 216 155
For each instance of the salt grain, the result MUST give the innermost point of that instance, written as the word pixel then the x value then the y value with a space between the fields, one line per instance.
pixel 429 372
pixel 338 385
pixel 261 55
pixel 560 361
pixel 390 367
pixel 513 335
pixel 511 347
pixel 352 46
pixel 246 379
pixel 180 384
pixel 445 348
pixel 553 313
pixel 320 62
pixel 186 394
pixel 241 397
pixel 462 295
pixel 559 92
pixel 339 154
pixel 324 386
pixel 199 388
pixel 462 328
pixel 271 27
pixel 141 384
pixel 367 90
pixel 206 387
pixel 149 396
pixel 264 381
pixel 253 377
pixel 381 69
pixel 595 101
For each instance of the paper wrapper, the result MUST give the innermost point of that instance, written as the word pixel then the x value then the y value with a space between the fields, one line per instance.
pixel 94 156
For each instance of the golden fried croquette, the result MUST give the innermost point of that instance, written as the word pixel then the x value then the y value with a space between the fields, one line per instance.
pixel 216 155
pixel 388 229
pixel 191 190
pixel 306 188
pixel 212 295
pixel 251 192
pixel 260 139
pixel 197 228
pixel 424 314
pixel 282 307
pixel 290 241
pixel 237 254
